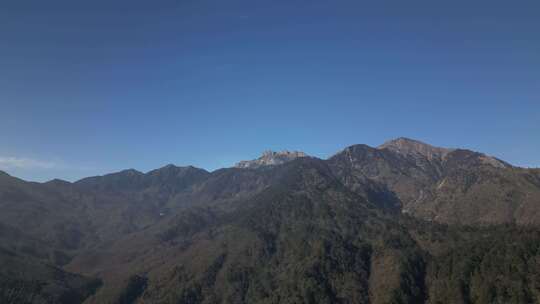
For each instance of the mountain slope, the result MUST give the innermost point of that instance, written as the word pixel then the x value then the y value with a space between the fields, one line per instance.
pixel 368 225
pixel 445 185
pixel 27 280
pixel 308 238
pixel 304 227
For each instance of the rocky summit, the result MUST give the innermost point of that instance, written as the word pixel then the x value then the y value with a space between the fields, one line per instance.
pixel 270 158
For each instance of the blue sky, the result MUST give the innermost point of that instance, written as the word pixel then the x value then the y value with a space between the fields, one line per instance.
pixel 90 87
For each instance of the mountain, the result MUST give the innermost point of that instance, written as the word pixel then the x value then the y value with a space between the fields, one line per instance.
pixel 414 148
pixel 445 185
pixel 405 222
pixel 410 147
pixel 304 222
pixel 270 158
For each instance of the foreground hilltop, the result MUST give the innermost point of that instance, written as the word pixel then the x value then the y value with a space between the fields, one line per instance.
pixel 368 225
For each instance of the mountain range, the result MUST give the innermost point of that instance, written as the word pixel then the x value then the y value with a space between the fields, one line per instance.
pixel 405 222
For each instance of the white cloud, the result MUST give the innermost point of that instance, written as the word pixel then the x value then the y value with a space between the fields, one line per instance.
pixel 25 163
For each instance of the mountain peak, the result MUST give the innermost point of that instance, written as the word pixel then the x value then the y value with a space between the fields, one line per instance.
pixel 269 158
pixel 57 182
pixel 130 172
pixel 175 170
pixel 407 146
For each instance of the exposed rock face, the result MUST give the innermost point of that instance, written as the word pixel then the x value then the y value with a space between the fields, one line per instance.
pixel 270 158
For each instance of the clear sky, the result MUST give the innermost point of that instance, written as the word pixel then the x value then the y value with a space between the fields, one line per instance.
pixel 90 87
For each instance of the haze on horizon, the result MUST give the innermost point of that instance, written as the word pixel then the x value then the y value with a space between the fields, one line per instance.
pixel 95 87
